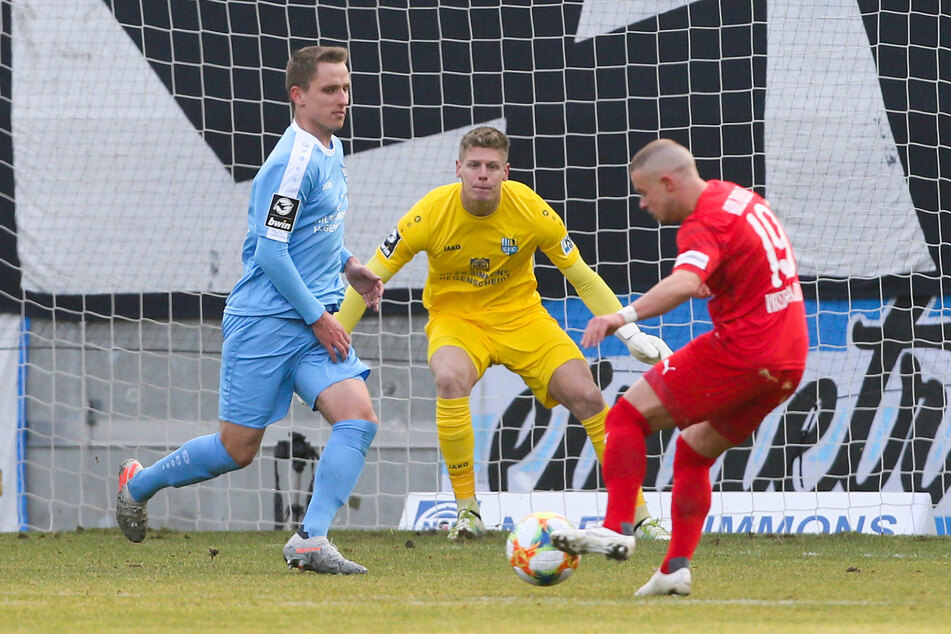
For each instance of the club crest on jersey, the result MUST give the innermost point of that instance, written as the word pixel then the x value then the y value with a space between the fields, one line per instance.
pixel 389 245
pixel 509 246
pixel 282 213
pixel 479 264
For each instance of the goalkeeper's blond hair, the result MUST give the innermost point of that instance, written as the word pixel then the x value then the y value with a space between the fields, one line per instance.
pixel 487 137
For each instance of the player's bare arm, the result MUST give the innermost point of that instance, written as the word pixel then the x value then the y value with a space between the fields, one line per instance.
pixel 667 294
pixel 332 336
pixel 365 282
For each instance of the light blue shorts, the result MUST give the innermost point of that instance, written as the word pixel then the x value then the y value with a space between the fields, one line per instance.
pixel 264 360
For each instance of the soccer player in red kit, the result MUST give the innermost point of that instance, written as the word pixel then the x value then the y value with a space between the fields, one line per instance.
pixel 720 386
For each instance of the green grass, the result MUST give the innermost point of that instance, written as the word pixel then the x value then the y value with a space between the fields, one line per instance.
pixel 95 580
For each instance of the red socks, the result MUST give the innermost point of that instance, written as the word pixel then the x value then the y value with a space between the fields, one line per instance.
pixel 625 462
pixel 690 502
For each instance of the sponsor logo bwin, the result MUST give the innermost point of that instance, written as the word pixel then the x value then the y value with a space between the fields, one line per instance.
pixel 282 213
pixel 278 223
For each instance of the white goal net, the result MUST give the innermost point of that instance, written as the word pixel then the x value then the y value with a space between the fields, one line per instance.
pixel 131 130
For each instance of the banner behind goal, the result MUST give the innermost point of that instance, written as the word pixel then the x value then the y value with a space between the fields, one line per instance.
pixel 131 131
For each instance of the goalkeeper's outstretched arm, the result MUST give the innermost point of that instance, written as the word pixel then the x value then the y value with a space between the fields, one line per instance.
pixel 600 300
pixel 667 294
pixel 353 306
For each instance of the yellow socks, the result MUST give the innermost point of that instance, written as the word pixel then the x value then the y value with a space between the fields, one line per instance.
pixel 595 428
pixel 457 443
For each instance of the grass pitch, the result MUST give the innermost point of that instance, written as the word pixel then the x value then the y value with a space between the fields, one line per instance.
pixel 96 581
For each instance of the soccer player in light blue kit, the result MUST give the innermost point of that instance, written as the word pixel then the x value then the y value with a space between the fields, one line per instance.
pixel 280 335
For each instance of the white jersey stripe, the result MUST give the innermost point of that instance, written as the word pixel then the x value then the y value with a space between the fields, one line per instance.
pixel 297 163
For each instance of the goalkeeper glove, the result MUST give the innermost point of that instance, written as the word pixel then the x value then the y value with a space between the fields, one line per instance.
pixel 643 347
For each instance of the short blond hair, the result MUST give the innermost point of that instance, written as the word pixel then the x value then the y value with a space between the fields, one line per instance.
pixel 487 137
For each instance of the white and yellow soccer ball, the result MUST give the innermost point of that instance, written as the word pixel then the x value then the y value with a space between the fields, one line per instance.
pixel 531 553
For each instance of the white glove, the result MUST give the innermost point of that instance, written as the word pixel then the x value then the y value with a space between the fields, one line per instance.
pixel 643 347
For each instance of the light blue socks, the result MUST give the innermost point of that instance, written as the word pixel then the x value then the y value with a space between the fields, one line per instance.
pixel 338 470
pixel 199 459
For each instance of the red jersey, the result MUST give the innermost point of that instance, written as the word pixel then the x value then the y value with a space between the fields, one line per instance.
pixel 739 249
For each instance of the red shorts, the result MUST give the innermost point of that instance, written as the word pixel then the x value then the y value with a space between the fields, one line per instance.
pixel 703 381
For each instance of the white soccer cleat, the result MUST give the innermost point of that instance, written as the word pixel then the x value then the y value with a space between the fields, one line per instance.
pixel 317 554
pixel 131 516
pixel 602 540
pixel 677 582
pixel 468 525
pixel 652 529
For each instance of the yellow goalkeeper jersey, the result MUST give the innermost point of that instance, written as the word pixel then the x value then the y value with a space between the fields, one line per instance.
pixel 481 267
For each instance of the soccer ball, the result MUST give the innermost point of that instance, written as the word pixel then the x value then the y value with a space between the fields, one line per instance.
pixel 531 553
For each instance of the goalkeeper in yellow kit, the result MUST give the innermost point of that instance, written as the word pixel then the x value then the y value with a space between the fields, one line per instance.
pixel 484 308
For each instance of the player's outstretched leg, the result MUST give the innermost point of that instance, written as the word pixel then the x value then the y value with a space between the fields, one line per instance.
pixel 611 544
pixel 197 460
pixel 645 526
pixel 677 582
pixel 317 554
pixel 131 516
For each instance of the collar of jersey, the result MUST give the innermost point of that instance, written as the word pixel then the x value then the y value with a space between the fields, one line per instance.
pixel 323 148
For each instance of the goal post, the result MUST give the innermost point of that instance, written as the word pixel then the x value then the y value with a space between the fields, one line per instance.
pixel 131 131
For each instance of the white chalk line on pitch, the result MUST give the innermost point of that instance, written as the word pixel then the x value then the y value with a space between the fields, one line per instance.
pixel 601 602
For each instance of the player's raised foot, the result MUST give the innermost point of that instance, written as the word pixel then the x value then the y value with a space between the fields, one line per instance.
pixel 677 582
pixel 317 554
pixel 611 544
pixel 468 525
pixel 651 528
pixel 131 516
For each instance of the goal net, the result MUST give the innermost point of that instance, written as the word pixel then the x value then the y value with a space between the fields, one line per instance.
pixel 131 130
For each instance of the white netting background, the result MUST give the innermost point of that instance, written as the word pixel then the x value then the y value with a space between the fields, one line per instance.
pixel 136 127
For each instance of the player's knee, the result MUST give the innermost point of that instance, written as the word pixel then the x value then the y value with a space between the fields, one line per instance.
pixel 243 457
pixel 242 453
pixel 369 415
pixel 585 402
pixel 623 416
pixel 452 383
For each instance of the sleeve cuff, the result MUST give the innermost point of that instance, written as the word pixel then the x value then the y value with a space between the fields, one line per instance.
pixel 345 255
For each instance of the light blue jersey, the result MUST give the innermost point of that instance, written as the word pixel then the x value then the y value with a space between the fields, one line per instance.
pixel 299 197
pixel 293 256
pixel 271 348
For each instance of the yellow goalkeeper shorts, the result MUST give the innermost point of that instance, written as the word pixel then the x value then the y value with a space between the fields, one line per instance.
pixel 532 345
